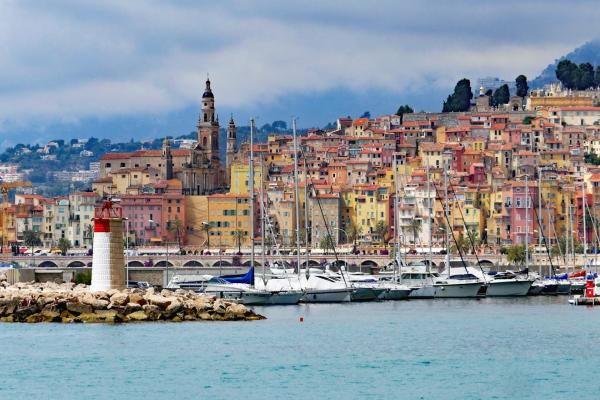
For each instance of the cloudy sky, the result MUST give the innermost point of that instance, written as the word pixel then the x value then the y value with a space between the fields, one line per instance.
pixel 137 68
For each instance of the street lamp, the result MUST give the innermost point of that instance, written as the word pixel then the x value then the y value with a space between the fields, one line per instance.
pixel 151 222
pixel 127 227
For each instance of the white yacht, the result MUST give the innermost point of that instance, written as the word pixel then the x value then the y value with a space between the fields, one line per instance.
pixel 219 287
pixel 508 283
pixel 320 287
pixel 366 287
pixel 284 289
pixel 420 280
pixel 457 283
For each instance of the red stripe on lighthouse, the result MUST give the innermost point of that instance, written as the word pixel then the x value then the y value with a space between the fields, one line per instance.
pixel 101 225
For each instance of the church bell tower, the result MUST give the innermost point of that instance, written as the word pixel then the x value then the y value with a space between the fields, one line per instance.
pixel 208 126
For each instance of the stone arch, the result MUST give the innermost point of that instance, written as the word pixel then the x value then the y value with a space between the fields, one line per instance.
pixel 163 263
pixel 76 264
pixel 486 263
pixel 311 263
pixel 193 263
pixel 47 264
pixel 247 263
pixel 339 263
pixel 135 264
pixel 222 263
pixel 368 263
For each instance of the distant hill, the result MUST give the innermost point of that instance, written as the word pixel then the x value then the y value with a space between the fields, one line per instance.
pixel 589 52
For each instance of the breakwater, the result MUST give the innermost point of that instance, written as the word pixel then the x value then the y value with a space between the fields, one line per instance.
pixel 70 303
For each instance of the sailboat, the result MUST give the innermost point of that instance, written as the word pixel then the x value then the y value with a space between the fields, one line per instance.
pixel 455 284
pixel 285 290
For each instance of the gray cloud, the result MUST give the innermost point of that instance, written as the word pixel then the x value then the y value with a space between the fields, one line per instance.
pixel 65 60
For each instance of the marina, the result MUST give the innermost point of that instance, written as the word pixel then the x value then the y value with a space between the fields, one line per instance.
pixel 409 349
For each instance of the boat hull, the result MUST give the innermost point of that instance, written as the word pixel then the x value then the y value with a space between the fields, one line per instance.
pixel 285 298
pixel 327 296
pixel 563 288
pixel 255 298
pixel 510 288
pixel 458 290
pixel 423 292
pixel 535 290
pixel 550 289
pixel 396 294
pixel 577 287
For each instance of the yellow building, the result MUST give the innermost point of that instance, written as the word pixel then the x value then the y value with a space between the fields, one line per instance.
pixel 240 173
pixel 218 220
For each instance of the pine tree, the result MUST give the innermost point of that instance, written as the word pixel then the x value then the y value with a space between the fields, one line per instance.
pixel 522 86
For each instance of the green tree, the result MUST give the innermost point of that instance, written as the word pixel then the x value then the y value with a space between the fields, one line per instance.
pixel 366 114
pixel 64 245
pixel 597 76
pixel 381 230
pixel 501 95
pixel 586 76
pixel 326 243
pixel 415 228
pixel 353 232
pixel 460 246
pixel 522 86
pixel 405 109
pixel 239 235
pixel 31 239
pixel 516 254
pixel 527 120
pixel 176 226
pixel 460 100
pixel 567 73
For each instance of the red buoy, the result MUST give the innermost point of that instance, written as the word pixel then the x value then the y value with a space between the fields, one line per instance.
pixel 301 319
pixel 589 288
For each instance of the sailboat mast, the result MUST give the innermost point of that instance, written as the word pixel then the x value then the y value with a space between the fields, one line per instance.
pixel 251 190
pixel 567 239
pixel 297 195
pixel 584 225
pixel 429 212
pixel 396 221
pixel 262 221
pixel 447 216
pixel 540 219
pixel 305 215
pixel 527 222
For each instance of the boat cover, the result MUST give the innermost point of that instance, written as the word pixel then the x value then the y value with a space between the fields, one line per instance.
pixel 247 278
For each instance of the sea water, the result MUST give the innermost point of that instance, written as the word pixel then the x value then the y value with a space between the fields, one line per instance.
pixel 525 348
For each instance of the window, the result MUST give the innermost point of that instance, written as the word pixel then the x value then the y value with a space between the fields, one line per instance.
pixel 107 165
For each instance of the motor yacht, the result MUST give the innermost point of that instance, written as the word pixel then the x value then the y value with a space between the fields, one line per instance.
pixel 507 283
pixel 321 287
pixel 219 287
pixel 457 283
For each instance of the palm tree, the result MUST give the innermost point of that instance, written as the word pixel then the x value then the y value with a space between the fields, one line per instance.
pixel 353 232
pixel 31 239
pixel 461 245
pixel 240 235
pixel 381 229
pixel 206 227
pixel 176 227
pixel 64 245
pixel 415 227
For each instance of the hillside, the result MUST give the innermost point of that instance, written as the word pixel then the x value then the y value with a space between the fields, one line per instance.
pixel 589 52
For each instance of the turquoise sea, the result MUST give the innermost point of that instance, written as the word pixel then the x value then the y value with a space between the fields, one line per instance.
pixel 534 348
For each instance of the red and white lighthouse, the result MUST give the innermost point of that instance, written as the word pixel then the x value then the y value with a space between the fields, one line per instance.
pixel 108 264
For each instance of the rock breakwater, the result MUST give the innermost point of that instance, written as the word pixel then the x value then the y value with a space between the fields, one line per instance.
pixel 70 303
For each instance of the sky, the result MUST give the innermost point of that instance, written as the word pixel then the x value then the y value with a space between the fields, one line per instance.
pixel 122 69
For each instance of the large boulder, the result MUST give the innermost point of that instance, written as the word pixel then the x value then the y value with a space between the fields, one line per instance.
pixel 152 311
pixel 137 298
pixel 96 303
pixel 79 308
pixel 119 299
pixel 158 300
pixel 132 307
pixel 137 316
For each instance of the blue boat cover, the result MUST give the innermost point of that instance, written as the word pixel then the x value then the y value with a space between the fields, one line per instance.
pixel 247 278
